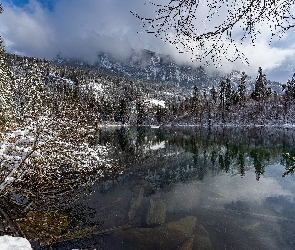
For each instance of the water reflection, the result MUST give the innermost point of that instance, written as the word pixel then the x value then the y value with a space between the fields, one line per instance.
pixel 175 189
pixel 194 181
pixel 229 212
pixel 221 149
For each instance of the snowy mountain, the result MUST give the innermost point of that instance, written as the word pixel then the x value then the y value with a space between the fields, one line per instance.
pixel 135 92
pixel 148 66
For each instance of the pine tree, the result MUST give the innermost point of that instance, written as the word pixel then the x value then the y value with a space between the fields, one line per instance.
pixel 195 100
pixel 213 93
pixel 260 91
pixel 6 81
pixel 32 95
pixel 242 89
pixel 222 94
pixel 140 112
pixel 122 113
pixel 228 94
pixel 289 88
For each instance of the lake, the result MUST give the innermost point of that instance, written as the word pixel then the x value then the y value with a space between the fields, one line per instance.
pixel 179 188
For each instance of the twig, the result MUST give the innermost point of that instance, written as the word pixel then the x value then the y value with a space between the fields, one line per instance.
pixel 290 169
pixel 7 180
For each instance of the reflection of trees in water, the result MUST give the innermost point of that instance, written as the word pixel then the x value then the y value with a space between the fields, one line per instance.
pixel 233 150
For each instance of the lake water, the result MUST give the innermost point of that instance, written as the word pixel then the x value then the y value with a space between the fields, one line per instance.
pixel 187 188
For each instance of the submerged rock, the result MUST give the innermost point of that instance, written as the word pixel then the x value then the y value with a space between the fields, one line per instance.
pixel 168 236
pixel 157 213
pixel 187 244
pixel 202 240
pixel 185 225
pixel 134 215
pixel 184 234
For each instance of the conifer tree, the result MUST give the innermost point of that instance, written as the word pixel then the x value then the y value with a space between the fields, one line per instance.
pixel 260 91
pixel 228 94
pixel 289 88
pixel 213 92
pixel 123 113
pixel 6 81
pixel 222 94
pixel 31 95
pixel 242 89
pixel 195 100
pixel 140 112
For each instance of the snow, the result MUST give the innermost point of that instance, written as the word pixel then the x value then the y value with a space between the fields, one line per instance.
pixel 97 87
pixel 155 126
pixel 155 146
pixel 168 93
pixel 158 146
pixel 288 125
pixel 14 243
pixel 20 146
pixel 157 102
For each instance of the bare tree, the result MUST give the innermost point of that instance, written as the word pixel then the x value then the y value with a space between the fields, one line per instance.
pixel 211 29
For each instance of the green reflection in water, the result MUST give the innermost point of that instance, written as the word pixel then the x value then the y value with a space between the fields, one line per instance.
pixel 233 150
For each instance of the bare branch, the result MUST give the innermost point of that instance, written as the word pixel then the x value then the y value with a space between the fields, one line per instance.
pixel 175 23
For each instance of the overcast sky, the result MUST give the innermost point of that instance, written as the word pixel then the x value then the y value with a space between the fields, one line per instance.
pixel 83 28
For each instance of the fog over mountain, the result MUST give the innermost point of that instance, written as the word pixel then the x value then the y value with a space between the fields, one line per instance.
pixel 148 66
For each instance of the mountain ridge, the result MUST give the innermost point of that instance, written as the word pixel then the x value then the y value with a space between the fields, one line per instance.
pixel 149 66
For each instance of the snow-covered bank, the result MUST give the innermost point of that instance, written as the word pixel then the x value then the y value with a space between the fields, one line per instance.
pixel 14 243
pixel 57 148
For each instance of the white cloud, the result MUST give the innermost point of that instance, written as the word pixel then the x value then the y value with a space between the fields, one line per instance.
pixel 260 55
pixel 26 33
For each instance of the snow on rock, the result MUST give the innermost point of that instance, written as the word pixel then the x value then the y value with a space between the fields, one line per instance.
pixel 14 243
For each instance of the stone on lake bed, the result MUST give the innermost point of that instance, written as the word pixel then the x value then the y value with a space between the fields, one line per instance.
pixel 168 236
pixel 134 211
pixel 187 244
pixel 157 213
